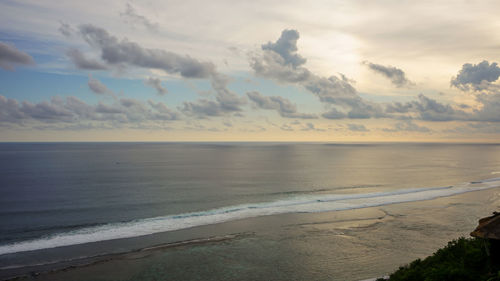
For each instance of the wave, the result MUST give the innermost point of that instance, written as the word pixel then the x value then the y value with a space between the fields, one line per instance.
pixel 319 190
pixel 299 204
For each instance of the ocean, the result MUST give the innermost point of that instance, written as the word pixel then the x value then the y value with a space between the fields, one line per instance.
pixel 236 211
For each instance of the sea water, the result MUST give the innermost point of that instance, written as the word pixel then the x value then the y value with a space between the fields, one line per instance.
pixel 57 195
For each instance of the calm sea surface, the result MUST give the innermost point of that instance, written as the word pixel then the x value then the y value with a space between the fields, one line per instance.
pixel 68 194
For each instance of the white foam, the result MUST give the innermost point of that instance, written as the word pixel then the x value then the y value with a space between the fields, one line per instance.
pixel 302 204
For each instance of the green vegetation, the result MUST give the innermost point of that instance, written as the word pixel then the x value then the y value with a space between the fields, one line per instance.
pixel 461 260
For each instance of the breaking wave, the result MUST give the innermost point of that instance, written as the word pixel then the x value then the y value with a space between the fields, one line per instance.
pixel 298 204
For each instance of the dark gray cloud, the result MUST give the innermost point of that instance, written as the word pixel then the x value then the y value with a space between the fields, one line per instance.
pixel 108 109
pixel 65 29
pixel 203 108
pixel 474 76
pixel 311 127
pixel 427 109
pixel 123 52
pixel 226 101
pixel 136 111
pixel 490 110
pixel 396 75
pixel 287 127
pixel 119 53
pixel 156 84
pixel 365 110
pixel 131 16
pixel 271 65
pixel 333 113
pixel 432 110
pixel 98 87
pixel 81 62
pixel 407 126
pixel 359 109
pixel 333 90
pixel 477 128
pixel 283 106
pixel 286 47
pixel 75 111
pixel 357 128
pixel 11 56
pixel 10 110
pixel 279 61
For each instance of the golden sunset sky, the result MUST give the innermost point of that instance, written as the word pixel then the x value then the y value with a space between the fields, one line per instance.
pixel 340 71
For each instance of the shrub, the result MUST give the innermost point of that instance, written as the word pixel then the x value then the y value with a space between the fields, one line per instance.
pixel 461 260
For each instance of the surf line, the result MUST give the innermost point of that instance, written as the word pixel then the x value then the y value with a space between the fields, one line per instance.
pixel 301 204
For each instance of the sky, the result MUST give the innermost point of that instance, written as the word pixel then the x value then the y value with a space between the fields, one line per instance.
pixel 355 71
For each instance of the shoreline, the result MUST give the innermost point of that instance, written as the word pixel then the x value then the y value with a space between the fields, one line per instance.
pixel 232 231
pixel 309 203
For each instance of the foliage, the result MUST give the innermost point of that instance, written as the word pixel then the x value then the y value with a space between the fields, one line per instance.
pixel 461 260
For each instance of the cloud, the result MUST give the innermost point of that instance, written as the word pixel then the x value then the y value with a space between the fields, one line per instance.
pixel 203 108
pixel 333 113
pixel 286 47
pixel 287 127
pixel 407 126
pixel 272 65
pixel 365 110
pixel 490 110
pixel 65 29
pixel 45 111
pixel 98 87
pixel 357 128
pixel 279 61
pixel 396 75
pixel 123 52
pixel 333 90
pixel 131 16
pixel 283 106
pixel 477 127
pixel 473 76
pixel 480 78
pixel 10 110
pixel 226 101
pixel 75 111
pixel 156 84
pixel 10 56
pixel 81 62
pixel 427 109
pixel 311 127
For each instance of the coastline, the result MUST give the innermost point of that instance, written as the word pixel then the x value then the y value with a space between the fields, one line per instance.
pixel 357 227
pixel 304 203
